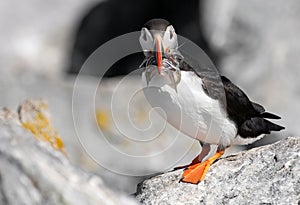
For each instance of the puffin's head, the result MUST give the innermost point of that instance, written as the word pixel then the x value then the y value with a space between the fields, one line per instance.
pixel 158 38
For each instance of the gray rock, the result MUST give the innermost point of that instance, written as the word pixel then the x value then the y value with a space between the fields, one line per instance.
pixel 263 175
pixel 32 172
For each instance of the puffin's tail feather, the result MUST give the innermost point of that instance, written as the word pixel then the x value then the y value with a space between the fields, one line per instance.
pixel 273 126
pixel 270 116
pixel 262 113
pixel 257 126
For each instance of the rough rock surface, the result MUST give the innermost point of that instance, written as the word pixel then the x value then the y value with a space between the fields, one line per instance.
pixel 263 175
pixel 32 172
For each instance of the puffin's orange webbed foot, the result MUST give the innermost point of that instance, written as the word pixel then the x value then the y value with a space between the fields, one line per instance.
pixel 196 173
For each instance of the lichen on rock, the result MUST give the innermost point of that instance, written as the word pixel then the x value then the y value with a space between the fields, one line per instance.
pixel 103 119
pixel 35 117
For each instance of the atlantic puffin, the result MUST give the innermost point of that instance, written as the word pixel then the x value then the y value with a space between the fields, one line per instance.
pixel 201 104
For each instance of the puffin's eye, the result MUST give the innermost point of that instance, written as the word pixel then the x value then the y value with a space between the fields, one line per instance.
pixel 144 36
pixel 171 34
pixel 146 39
pixel 170 38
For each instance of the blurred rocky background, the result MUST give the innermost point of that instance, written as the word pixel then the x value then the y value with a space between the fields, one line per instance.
pixel 43 45
pixel 35 168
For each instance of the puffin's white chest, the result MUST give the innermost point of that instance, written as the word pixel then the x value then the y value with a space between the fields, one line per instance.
pixel 189 109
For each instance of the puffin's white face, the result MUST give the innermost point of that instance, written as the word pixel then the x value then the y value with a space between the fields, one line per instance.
pixel 167 38
pixel 158 42
pixel 160 47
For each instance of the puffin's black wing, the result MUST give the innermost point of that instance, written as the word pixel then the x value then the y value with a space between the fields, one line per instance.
pixel 249 116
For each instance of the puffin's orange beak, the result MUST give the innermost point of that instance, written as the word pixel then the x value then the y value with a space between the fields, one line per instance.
pixel 158 52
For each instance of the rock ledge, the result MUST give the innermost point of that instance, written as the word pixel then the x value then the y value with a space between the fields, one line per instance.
pixel 263 175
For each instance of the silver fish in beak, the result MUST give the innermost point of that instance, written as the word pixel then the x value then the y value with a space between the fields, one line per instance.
pixel 169 69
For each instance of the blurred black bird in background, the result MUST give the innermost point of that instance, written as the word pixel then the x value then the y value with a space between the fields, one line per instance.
pixel 112 18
